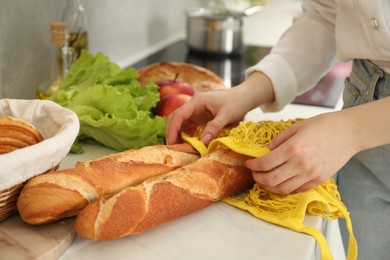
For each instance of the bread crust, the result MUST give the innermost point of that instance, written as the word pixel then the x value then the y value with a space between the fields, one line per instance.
pixel 77 187
pixel 165 197
pixel 200 78
pixel 17 133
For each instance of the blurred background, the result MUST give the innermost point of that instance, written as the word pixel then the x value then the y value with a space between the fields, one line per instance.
pixel 121 29
pixel 118 28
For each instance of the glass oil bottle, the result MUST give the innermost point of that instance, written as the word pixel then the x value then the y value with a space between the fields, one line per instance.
pixel 70 37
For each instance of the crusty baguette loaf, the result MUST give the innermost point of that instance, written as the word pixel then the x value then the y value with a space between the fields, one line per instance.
pixel 165 197
pixel 56 195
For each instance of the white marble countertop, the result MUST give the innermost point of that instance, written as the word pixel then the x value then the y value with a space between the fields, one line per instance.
pixel 219 231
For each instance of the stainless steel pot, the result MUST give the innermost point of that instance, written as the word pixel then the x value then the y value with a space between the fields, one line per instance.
pixel 217 32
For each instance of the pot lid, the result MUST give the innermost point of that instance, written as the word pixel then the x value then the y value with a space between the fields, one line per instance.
pixel 218 10
pixel 207 13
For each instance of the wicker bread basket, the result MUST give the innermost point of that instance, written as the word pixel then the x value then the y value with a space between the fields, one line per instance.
pixel 59 127
pixel 8 200
pixel 9 197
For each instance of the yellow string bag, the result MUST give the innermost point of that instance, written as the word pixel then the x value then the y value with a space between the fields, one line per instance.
pixel 288 211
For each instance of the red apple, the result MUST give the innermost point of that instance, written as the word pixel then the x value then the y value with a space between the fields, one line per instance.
pixel 170 103
pixel 168 87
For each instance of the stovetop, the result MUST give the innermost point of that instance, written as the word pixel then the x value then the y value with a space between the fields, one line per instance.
pixel 231 69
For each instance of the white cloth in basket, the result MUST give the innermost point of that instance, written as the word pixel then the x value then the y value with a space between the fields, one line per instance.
pixel 58 125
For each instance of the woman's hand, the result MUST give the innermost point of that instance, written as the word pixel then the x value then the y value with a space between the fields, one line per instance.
pixel 306 155
pixel 216 109
pixel 212 110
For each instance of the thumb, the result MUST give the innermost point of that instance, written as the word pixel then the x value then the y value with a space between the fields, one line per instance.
pixel 212 129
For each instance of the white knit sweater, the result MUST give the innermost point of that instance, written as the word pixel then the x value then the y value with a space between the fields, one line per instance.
pixel 327 31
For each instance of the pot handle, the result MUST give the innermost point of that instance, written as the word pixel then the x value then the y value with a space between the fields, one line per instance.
pixel 247 12
pixel 252 10
pixel 218 7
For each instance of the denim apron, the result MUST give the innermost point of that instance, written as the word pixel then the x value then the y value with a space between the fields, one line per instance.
pixel 364 182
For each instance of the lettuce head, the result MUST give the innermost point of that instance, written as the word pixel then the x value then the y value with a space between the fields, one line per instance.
pixel 112 106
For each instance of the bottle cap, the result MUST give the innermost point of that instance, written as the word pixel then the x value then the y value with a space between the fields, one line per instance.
pixel 58 33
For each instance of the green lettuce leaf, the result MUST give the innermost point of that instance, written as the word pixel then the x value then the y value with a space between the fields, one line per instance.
pixel 111 105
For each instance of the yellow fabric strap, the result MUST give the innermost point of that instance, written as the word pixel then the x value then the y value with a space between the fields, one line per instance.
pixel 288 211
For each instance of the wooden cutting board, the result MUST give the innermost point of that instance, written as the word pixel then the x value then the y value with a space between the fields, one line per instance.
pixel 19 240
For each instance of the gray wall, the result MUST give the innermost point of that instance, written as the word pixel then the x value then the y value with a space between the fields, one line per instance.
pixel 118 28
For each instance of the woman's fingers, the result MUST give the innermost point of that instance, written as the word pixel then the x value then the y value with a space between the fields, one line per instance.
pixel 175 122
pixel 283 180
pixel 194 112
pixel 304 156
pixel 286 169
pixel 279 154
pixel 283 136
pixel 213 128
pixel 214 110
pixel 275 177
pixel 295 184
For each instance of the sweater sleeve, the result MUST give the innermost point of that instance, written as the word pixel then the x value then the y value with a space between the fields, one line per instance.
pixel 304 53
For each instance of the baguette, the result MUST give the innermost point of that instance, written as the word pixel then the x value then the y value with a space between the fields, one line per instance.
pixel 61 194
pixel 165 197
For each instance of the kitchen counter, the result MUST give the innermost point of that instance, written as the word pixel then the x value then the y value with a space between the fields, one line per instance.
pixel 219 231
